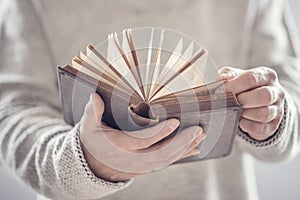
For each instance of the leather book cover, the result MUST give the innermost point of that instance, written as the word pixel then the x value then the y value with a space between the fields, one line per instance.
pixel 218 117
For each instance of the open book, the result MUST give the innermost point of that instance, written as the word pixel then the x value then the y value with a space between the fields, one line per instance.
pixel 147 77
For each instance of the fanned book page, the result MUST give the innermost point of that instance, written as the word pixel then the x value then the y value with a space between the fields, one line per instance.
pixel 159 76
pixel 148 75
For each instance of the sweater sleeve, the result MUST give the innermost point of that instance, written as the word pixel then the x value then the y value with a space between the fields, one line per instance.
pixel 274 43
pixel 35 143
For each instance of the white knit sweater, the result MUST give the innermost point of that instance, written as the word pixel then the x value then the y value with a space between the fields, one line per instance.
pixel 43 151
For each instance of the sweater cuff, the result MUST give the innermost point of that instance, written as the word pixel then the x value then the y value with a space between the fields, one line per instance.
pixel 88 172
pixel 272 140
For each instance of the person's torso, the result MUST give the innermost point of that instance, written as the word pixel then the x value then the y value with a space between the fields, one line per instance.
pixel 217 25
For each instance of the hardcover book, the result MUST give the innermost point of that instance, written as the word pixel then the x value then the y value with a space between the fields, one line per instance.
pixel 148 75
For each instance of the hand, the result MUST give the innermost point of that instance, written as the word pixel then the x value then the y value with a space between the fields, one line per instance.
pixel 262 97
pixel 117 155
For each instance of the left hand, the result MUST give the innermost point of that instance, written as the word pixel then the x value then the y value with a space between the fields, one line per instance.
pixel 262 97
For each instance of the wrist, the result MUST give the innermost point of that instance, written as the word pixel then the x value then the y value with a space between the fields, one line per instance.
pixel 102 171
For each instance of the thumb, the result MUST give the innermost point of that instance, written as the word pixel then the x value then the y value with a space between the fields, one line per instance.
pixel 98 105
pixel 94 110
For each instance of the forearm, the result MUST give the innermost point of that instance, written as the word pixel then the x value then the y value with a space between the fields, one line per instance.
pixel 41 149
pixel 35 142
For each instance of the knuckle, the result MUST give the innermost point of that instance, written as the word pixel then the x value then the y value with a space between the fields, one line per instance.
pixel 252 78
pixel 272 75
pixel 269 74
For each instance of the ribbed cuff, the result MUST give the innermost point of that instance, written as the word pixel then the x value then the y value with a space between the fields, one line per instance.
pixel 89 174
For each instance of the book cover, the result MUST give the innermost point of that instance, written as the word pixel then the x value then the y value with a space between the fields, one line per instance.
pixel 147 75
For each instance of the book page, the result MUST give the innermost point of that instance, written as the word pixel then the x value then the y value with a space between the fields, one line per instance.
pixel 150 62
pixel 95 64
pixel 155 67
pixel 90 73
pixel 187 76
pixel 115 58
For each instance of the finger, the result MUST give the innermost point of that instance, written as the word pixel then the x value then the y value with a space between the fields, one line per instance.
pixel 192 152
pixel 259 97
pixel 184 146
pixel 151 132
pixel 171 151
pixel 263 114
pixel 259 131
pixel 128 141
pixel 251 79
pixel 196 142
pixel 126 160
pixel 156 146
pixel 160 145
pixel 191 135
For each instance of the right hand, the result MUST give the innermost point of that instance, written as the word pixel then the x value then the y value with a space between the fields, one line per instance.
pixel 116 155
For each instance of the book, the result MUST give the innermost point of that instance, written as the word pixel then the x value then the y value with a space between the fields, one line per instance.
pixel 145 76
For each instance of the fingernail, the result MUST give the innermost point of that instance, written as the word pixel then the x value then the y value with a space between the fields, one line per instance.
pixel 90 101
pixel 198 131
pixel 91 97
pixel 174 123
